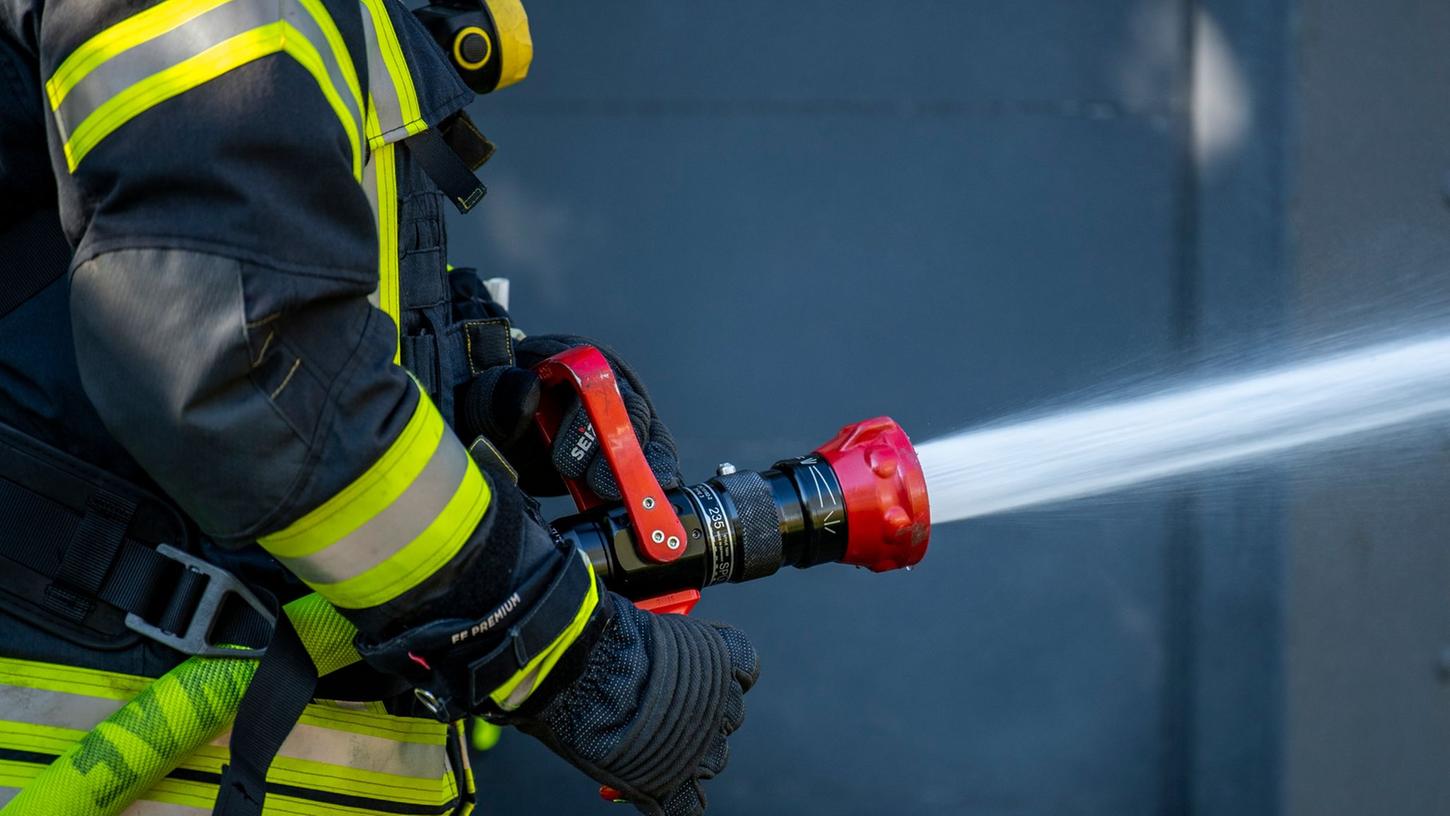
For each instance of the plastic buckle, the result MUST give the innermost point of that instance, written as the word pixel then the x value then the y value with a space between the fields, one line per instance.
pixel 196 640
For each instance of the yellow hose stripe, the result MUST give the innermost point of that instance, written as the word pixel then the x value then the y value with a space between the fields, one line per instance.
pixel 537 669
pixel 326 634
pixel 368 494
pixel 126 34
pixel 421 557
pixel 202 68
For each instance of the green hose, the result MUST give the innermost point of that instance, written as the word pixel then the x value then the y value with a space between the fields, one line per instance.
pixel 128 752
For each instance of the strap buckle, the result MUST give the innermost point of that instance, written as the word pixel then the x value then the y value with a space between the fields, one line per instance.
pixel 196 640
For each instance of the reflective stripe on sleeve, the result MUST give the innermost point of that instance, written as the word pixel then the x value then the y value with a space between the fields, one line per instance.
pixel 179 45
pixel 395 525
pixel 390 83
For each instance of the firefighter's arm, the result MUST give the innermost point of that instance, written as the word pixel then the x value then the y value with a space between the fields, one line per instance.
pixel 210 159
pixel 210 162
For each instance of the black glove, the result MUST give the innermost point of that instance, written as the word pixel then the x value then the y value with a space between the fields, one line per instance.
pixel 638 701
pixel 650 714
pixel 500 404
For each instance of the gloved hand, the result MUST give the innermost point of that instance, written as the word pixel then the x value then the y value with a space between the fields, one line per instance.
pixel 650 714
pixel 640 702
pixel 500 404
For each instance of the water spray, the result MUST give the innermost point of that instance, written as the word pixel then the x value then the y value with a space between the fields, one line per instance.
pixel 1106 448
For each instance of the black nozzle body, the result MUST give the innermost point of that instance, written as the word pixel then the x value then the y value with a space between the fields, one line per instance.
pixel 738 527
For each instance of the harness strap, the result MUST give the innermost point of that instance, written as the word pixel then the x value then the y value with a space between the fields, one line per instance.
pixel 280 690
pixel 86 548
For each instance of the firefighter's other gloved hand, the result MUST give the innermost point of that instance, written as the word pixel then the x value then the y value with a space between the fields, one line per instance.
pixel 651 712
pixel 500 404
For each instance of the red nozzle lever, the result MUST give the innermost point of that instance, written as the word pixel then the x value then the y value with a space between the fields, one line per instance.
pixel 584 369
pixel 657 529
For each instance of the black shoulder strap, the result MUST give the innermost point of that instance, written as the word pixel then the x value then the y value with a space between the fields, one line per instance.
pixel 34 254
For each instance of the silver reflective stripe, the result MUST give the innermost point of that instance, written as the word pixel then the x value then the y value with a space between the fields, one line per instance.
pixel 394 526
pixel 40 707
pixel 135 64
pixel 344 748
pixel 380 83
pixel 146 59
pixel 361 751
pixel 370 187
pixel 307 26
pixel 141 807
pixel 145 807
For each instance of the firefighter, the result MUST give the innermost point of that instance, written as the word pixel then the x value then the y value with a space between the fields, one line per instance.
pixel 234 369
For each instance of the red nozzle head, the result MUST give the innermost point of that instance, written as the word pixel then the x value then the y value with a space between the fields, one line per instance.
pixel 887 517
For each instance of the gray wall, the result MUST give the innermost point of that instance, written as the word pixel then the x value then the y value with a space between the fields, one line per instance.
pixel 1368 728
pixel 795 215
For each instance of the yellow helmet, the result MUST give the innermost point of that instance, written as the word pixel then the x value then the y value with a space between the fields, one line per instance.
pixel 487 40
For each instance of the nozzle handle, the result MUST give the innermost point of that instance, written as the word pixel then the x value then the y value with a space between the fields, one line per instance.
pixel 584 371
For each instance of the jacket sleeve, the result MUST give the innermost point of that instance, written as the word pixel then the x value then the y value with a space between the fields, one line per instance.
pixel 209 155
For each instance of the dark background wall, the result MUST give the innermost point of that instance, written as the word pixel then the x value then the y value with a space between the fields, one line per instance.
pixel 795 215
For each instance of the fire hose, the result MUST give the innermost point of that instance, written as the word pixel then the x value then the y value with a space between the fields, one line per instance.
pixel 858 499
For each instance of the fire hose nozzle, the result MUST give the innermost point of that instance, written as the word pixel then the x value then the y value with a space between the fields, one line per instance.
pixel 859 499
pixel 888 518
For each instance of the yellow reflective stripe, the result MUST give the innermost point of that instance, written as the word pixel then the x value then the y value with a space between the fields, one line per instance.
pixel 122 36
pixel 202 68
pixel 412 730
pixel 416 770
pixel 70 679
pixel 422 556
pixel 513 693
pixel 302 50
pixel 178 45
pixel 469 785
pixel 436 786
pixel 389 285
pixel 179 78
pixel 369 494
pixel 337 45
pixel 391 51
pixel 42 739
pixel 356 533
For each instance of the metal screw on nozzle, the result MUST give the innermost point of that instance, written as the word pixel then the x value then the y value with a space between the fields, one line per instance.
pixel 724 469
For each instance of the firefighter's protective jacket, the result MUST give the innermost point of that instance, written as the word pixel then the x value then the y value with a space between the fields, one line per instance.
pixel 256 321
